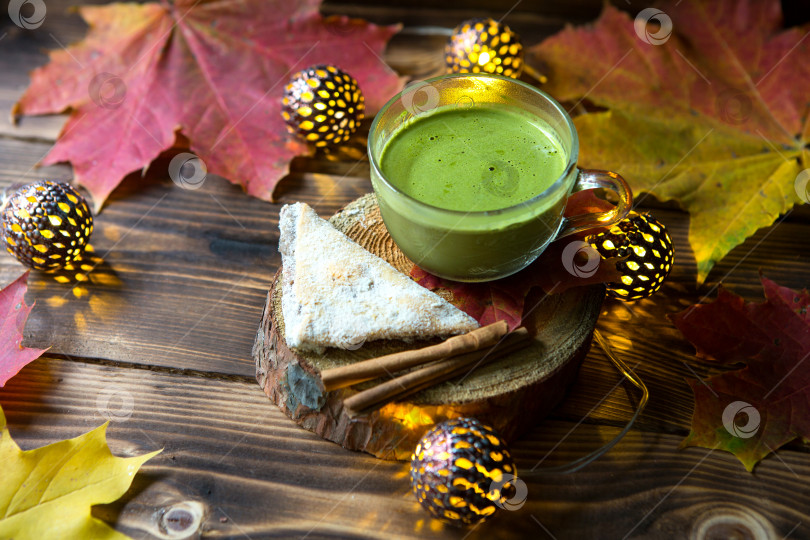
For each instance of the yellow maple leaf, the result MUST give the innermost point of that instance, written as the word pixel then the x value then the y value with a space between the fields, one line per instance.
pixel 48 492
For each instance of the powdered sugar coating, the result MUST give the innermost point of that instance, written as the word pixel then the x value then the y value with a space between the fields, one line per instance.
pixel 337 294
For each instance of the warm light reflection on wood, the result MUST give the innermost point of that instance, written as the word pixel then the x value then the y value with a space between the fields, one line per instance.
pixel 622 313
pixel 621 343
pixel 87 268
pixel 56 301
pixel 79 291
pixel 112 233
pixel 411 416
pixel 79 322
pixel 405 472
pixel 99 305
pixel 106 279
pixel 324 183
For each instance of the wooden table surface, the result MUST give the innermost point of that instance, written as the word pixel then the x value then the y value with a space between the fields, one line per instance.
pixel 159 337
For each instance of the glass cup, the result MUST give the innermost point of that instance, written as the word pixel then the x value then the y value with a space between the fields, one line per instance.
pixel 485 245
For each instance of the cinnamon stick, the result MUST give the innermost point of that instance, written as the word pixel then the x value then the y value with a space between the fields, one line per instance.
pixel 385 365
pixel 438 372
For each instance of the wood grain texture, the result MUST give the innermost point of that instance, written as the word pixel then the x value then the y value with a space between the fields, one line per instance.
pixel 169 252
pixel 256 473
pixel 188 249
pixel 184 273
pixel 23 50
pixel 170 316
pixel 509 394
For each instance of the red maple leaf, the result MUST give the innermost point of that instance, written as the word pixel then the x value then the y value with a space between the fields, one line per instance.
pixel 754 410
pixel 504 299
pixel 485 302
pixel 13 314
pixel 213 71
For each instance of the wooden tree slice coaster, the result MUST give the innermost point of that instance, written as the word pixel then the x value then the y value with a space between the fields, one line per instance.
pixel 512 393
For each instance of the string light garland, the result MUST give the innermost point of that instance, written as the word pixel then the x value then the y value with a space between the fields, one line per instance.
pixel 322 105
pixel 462 471
pixel 484 46
pixel 648 251
pixel 46 225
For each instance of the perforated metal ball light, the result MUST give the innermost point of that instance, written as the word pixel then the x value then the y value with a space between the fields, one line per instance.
pixel 322 105
pixel 484 46
pixel 649 251
pixel 460 471
pixel 46 225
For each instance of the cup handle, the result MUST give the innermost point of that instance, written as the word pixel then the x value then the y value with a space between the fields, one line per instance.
pixel 593 179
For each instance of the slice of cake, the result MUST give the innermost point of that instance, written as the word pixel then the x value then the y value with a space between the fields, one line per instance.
pixel 337 294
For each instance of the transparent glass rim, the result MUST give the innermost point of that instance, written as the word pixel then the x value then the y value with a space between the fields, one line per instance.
pixel 554 187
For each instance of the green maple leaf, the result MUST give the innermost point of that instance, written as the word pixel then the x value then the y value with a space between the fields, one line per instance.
pixel 712 111
pixel 48 492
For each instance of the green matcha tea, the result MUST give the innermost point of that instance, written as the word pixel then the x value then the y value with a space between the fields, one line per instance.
pixel 472 177
pixel 473 159
pixel 477 193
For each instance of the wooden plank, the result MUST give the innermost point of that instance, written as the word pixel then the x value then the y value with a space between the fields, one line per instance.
pixel 532 25
pixel 224 446
pixel 572 9
pixel 188 250
pixel 62 27
pixel 181 290
pixel 184 276
pixel 14 82
pixel 254 472
pixel 185 279
pixel 642 335
pixel 647 488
